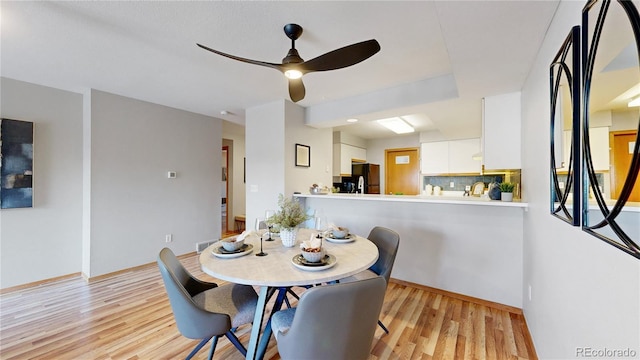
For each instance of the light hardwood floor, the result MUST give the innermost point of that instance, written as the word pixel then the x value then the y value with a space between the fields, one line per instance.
pixel 127 316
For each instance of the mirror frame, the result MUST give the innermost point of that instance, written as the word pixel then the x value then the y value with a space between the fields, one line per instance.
pixel 558 67
pixel 624 241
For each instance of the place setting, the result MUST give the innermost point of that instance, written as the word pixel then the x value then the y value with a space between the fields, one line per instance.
pixel 233 247
pixel 339 235
pixel 313 256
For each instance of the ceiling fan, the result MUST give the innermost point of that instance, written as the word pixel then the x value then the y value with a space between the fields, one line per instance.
pixel 293 67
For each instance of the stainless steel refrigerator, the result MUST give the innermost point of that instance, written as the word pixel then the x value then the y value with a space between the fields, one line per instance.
pixel 371 175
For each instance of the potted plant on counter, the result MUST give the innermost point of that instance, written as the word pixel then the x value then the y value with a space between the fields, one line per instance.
pixel 506 191
pixel 290 215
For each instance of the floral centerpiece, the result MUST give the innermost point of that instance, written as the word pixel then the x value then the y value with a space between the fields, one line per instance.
pixel 290 215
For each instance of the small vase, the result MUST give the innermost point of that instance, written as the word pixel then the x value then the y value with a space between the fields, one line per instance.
pixel 288 236
pixel 505 196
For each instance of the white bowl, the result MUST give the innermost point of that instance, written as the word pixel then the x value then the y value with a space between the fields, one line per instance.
pixel 313 256
pixel 232 243
pixel 340 232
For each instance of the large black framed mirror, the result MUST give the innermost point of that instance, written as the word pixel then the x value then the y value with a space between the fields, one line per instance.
pixel 611 123
pixel 564 76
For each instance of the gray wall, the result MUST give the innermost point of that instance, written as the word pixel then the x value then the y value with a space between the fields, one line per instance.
pixel 129 202
pixel 584 292
pixel 45 241
pixel 133 203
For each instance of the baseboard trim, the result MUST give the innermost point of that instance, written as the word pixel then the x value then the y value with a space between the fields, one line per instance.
pixel 37 283
pixel 491 304
pixel 119 272
pixel 83 276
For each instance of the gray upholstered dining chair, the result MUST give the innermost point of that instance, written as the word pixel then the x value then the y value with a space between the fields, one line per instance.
pixel 331 322
pixel 387 242
pixel 204 310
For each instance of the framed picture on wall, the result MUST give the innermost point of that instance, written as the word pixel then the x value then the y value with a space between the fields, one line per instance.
pixel 303 155
pixel 16 164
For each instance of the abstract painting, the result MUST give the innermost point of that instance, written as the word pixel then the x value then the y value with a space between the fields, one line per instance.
pixel 16 165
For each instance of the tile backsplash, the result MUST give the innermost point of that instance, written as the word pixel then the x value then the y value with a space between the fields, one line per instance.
pixel 460 181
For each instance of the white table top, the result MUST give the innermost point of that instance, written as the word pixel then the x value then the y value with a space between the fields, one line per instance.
pixel 277 270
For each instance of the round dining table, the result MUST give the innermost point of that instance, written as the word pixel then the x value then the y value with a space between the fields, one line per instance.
pixel 279 270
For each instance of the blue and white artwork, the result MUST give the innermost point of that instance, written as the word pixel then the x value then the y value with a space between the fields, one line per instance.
pixel 16 167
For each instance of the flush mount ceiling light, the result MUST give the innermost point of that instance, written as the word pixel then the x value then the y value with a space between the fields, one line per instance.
pixel 634 102
pixel 352 120
pixel 397 125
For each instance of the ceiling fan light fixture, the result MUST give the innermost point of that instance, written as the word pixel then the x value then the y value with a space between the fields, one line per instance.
pixel 293 74
pixel 397 125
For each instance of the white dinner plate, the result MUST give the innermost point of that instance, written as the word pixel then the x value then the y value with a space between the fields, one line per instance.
pixel 300 262
pixel 220 252
pixel 349 238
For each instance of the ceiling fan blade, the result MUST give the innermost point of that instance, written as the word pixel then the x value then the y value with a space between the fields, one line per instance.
pixel 343 57
pixel 296 89
pixel 254 62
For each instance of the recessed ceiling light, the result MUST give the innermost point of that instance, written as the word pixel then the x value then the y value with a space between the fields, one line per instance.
pixel 397 125
pixel 352 120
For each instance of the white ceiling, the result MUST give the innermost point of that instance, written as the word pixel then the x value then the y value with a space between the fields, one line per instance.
pixel 437 58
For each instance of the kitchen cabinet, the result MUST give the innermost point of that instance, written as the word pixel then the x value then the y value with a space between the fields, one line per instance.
pixel 343 155
pixel 501 124
pixel 455 157
pixel 599 142
pixel 434 157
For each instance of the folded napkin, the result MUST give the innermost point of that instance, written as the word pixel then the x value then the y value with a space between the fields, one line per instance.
pixel 245 234
pixel 312 243
pixel 332 226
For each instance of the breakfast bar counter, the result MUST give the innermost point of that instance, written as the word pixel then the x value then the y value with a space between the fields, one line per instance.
pixel 435 199
pixel 466 245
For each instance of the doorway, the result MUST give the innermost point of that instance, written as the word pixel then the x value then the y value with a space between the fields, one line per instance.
pixel 224 190
pixel 402 171
pixel 622 143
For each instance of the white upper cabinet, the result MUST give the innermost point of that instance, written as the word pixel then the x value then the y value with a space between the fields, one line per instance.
pixel 454 156
pixel 501 124
pixel 343 155
pixel 461 156
pixel 434 157
pixel 599 142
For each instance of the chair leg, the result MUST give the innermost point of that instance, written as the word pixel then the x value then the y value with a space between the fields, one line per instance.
pixel 214 342
pixel 234 340
pixel 383 327
pixel 197 348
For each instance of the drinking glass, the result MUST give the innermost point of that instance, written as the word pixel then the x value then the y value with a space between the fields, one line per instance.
pixel 320 225
pixel 267 215
pixel 260 230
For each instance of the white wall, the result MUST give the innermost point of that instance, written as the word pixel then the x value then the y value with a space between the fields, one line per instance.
pixel 133 203
pixel 272 130
pixel 585 293
pixel 321 142
pixel 45 241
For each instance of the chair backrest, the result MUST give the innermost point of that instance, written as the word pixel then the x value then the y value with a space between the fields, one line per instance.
pixel 387 242
pixel 193 322
pixel 335 321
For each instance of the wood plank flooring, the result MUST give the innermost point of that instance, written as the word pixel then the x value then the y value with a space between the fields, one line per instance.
pixel 127 316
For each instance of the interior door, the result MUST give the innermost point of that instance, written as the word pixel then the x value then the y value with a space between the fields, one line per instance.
pixel 621 153
pixel 402 171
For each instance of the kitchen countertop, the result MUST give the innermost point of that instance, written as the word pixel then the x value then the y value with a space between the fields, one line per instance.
pixel 434 199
